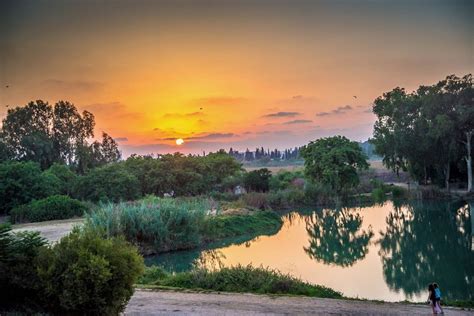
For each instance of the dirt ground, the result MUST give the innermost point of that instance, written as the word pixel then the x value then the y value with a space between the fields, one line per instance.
pixel 51 230
pixel 147 302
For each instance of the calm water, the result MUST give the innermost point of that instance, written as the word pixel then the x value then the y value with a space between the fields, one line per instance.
pixel 388 252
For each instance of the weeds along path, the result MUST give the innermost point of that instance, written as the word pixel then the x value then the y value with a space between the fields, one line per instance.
pixel 147 302
pixel 51 230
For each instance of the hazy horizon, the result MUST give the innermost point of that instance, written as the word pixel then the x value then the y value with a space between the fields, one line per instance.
pixel 237 74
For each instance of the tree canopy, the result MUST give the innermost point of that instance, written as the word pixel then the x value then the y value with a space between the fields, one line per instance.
pixel 334 161
pixel 427 132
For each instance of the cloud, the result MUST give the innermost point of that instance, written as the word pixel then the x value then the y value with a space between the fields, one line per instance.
pixel 340 110
pixel 212 136
pixel 282 114
pixel 297 122
pixel 121 139
pixel 72 85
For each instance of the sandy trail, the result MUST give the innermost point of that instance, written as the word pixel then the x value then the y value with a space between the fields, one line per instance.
pixel 147 302
pixel 51 230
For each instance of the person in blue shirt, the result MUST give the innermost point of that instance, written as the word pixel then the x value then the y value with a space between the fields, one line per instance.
pixel 437 293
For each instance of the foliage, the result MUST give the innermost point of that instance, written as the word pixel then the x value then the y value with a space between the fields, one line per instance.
pixel 107 183
pixel 425 131
pixel 50 208
pixel 87 274
pixel 45 134
pixel 19 282
pixel 224 226
pixel 182 175
pixel 163 224
pixel 334 161
pixel 284 179
pixel 65 175
pixel 256 200
pixel 257 180
pixel 239 279
pixel 22 182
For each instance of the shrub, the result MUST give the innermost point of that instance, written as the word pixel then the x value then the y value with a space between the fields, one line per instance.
pixel 19 282
pixel 287 198
pixel 86 274
pixel 379 194
pixel 50 208
pixel 398 192
pixel 256 200
pixel 242 279
pixel 22 182
pixel 108 183
pixel 284 179
pixel 318 194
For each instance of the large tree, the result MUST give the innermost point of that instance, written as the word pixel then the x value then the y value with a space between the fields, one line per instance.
pixel 45 134
pixel 423 131
pixel 334 161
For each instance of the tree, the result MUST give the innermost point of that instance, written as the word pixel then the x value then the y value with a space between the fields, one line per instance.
pixel 27 133
pixel 334 161
pixel 258 180
pixel 107 183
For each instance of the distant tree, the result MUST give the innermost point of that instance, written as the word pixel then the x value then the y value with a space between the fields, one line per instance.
pixel 334 161
pixel 109 149
pixel 257 180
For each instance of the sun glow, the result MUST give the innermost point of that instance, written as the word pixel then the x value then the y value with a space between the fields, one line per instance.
pixel 179 141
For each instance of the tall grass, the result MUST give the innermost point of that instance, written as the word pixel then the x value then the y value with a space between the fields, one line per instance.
pixel 237 279
pixel 163 224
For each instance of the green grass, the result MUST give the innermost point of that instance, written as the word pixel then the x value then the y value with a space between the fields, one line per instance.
pixel 239 279
pixel 226 226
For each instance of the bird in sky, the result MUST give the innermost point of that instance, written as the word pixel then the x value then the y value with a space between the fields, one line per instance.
pixel 355 97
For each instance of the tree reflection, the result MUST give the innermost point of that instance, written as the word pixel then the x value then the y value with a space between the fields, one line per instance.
pixel 336 237
pixel 426 242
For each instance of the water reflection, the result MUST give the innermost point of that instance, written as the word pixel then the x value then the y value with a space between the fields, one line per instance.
pixel 390 251
pixel 336 237
pixel 426 242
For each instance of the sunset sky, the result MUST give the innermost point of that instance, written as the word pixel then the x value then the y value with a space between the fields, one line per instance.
pixel 223 74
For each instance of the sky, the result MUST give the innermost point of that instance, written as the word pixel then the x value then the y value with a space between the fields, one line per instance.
pixel 223 74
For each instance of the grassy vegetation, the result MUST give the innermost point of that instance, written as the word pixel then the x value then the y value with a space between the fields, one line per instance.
pixel 237 279
pixel 225 226
pixel 164 224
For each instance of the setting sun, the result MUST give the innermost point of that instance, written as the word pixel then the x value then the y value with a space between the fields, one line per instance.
pixel 179 141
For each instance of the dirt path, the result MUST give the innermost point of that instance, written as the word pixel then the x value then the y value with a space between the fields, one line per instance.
pixel 147 302
pixel 51 230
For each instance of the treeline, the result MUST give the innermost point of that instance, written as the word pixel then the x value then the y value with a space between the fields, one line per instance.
pixel 266 154
pixel 175 175
pixel 428 132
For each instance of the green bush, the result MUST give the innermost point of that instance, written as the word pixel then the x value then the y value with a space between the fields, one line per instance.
pixel 318 194
pixel 109 183
pixel 240 279
pixel 87 274
pixel 50 208
pixel 22 182
pixel 19 283
pixel 283 179
pixel 379 194
pixel 256 200
pixel 66 177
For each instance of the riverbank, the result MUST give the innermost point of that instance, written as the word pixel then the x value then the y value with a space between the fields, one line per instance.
pixel 147 302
